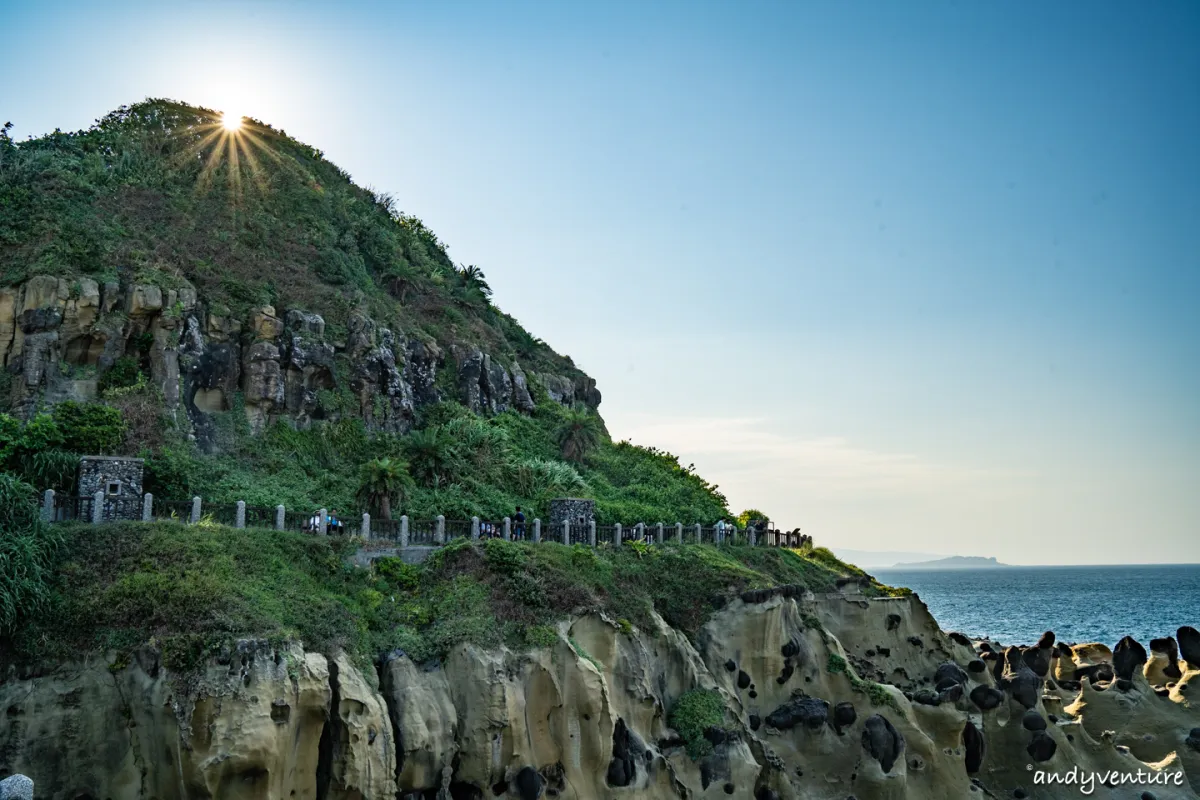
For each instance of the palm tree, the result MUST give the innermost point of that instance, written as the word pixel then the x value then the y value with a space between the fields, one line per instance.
pixel 384 480
pixel 579 432
pixel 431 454
pixel 472 277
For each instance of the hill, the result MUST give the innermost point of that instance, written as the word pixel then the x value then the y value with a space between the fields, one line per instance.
pixel 955 562
pixel 263 329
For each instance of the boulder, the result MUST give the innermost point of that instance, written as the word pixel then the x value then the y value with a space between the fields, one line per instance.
pixel 1026 687
pixel 16 787
pixel 986 697
pixel 145 300
pixel 1041 747
pixel 812 712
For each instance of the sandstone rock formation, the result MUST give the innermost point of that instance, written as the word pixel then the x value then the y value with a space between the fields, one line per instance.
pixel 59 337
pixel 820 702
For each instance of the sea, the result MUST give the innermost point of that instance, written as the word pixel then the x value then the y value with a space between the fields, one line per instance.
pixel 1015 605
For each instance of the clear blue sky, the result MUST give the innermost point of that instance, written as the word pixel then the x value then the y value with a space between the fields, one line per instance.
pixel 912 276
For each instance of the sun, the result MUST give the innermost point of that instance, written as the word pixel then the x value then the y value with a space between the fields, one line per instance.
pixel 231 122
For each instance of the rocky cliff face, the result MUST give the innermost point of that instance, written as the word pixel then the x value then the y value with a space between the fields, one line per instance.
pixel 826 697
pixel 59 337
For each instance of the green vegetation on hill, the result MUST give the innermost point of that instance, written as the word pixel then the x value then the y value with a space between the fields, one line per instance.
pixel 193 589
pixel 156 193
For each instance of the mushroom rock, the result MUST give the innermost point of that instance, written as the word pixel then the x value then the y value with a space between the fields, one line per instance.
pixel 1037 659
pixel 1168 648
pixel 950 672
pixel 986 697
pixel 1026 686
pixel 1189 645
pixel 882 741
pixel 1046 641
pixel 1128 656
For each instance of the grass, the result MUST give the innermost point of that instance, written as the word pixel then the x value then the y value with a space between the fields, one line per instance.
pixel 191 590
pixel 875 692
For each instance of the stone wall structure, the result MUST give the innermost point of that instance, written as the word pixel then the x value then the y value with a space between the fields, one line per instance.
pixel 119 479
pixel 572 510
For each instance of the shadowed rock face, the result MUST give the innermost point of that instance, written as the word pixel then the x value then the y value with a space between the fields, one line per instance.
pixel 280 362
pixel 974 746
pixel 882 741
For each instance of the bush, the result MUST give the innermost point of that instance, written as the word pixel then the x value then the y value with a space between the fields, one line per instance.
pixel 26 551
pixel 693 714
pixel 90 428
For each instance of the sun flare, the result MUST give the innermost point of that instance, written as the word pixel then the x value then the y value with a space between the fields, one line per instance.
pixel 231 122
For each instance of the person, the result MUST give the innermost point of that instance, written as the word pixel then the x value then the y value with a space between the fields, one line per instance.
pixel 335 524
pixel 314 523
pixel 519 525
pixel 720 530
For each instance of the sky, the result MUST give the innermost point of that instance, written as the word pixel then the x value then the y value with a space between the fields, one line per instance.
pixel 919 276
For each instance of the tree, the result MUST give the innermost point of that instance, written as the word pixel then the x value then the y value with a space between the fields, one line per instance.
pixel 749 514
pixel 384 480
pixel 580 432
pixel 431 455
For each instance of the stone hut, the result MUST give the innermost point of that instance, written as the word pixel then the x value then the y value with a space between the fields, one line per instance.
pixel 573 510
pixel 119 478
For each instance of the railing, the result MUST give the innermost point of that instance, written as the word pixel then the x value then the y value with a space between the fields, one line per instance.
pixel 68 509
pixel 404 531
pixel 180 510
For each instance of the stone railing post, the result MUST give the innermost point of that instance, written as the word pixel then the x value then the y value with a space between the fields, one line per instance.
pixel 97 507
pixel 439 533
pixel 617 535
pixel 753 533
pixel 404 530
pixel 280 514
pixel 475 529
pixel 507 529
pixel 195 510
pixel 678 533
pixel 592 533
pixel 537 531
pixel 658 536
pixel 566 532
pixel 639 532
pixel 365 531
pixel 699 535
pixel 16 787
pixel 240 520
pixel 323 521
pixel 48 505
pixel 147 507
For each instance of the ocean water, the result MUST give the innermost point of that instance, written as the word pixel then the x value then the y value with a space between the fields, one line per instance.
pixel 1016 605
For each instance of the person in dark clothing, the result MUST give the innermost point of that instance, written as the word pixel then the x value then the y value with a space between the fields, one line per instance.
pixel 519 525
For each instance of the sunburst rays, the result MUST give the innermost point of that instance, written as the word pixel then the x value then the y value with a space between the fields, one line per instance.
pixel 235 152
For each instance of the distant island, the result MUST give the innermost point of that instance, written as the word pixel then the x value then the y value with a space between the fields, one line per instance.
pixel 954 562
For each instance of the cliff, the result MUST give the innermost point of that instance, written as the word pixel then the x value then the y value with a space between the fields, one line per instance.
pixel 832 688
